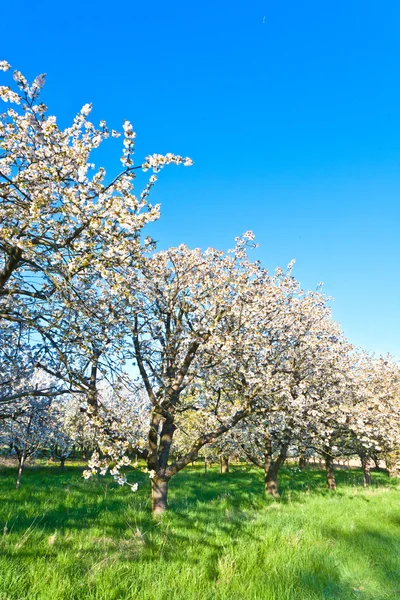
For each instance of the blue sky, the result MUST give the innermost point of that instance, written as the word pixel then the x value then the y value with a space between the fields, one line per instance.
pixel 289 109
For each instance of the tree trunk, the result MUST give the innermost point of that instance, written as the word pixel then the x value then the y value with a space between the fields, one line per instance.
pixel 330 473
pixel 205 466
pixel 20 469
pixel 366 469
pixel 62 463
pixel 302 460
pixel 376 463
pixel 224 464
pixel 159 494
pixel 271 481
pixel 271 466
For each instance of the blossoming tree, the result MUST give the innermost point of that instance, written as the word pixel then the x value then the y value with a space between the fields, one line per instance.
pixel 67 233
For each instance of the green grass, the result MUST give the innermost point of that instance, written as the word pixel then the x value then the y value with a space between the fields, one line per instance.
pixel 65 538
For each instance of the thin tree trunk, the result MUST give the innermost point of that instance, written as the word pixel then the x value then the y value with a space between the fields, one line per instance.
pixel 205 466
pixel 159 495
pixel 62 463
pixel 377 465
pixel 330 472
pixel 224 464
pixel 23 454
pixel 20 469
pixel 366 469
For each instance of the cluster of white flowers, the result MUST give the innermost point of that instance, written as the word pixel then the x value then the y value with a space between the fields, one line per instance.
pixel 4 65
pixel 157 161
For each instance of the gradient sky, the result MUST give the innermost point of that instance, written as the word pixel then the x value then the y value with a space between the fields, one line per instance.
pixel 290 110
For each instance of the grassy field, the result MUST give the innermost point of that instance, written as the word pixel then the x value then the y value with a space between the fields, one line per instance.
pixel 66 538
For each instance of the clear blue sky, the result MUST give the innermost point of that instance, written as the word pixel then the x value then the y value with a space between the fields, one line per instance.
pixel 290 110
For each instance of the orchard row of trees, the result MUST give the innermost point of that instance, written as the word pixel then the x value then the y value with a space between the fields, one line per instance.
pixel 227 358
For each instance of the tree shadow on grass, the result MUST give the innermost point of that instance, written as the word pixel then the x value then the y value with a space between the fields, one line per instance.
pixel 64 500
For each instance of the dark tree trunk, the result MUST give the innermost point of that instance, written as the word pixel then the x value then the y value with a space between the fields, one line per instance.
pixel 159 495
pixel 158 461
pixel 302 460
pixel 376 463
pixel 271 482
pixel 224 464
pixel 366 469
pixel 271 466
pixel 330 472
pixel 62 463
